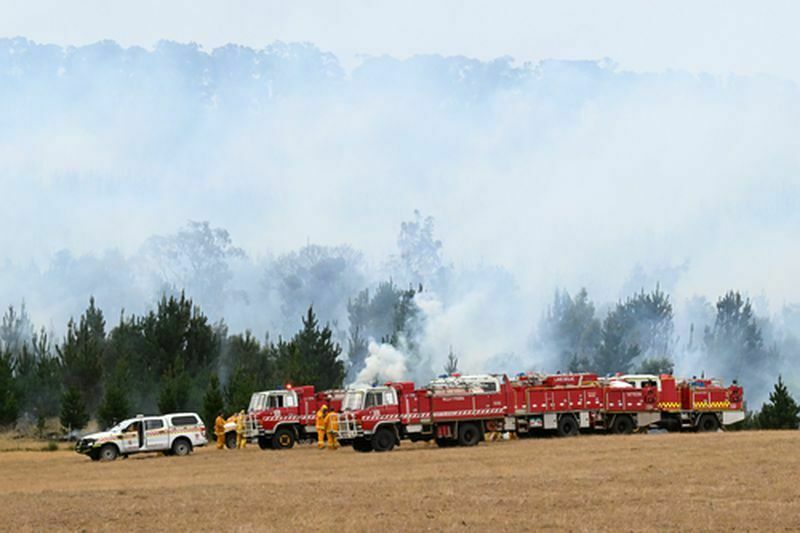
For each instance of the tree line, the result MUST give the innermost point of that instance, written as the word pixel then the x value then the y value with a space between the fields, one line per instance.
pixel 637 334
pixel 173 358
pixel 170 359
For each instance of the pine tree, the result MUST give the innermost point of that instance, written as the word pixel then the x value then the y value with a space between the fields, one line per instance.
pixel 16 329
pixel 387 315
pixel 782 412
pixel 319 354
pixel 175 390
pixel 292 367
pixel 212 403
pixel 240 387
pixel 81 353
pixel 615 354
pixel 114 407
pixel 47 389
pixel 571 331
pixel 179 349
pixel 9 403
pixel 73 411
pixel 656 365
pixel 736 339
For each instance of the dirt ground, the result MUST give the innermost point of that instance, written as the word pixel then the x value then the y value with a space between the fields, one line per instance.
pixel 745 480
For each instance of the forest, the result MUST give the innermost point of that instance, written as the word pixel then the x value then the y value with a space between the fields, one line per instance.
pixel 173 357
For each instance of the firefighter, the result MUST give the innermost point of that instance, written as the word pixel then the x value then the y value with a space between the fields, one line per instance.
pixel 241 441
pixel 331 427
pixel 321 426
pixel 493 433
pixel 219 430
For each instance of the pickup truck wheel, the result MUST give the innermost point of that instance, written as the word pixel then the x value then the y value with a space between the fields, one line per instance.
pixel 468 435
pixel 264 443
pixel 94 455
pixel 181 447
pixel 567 426
pixel 283 439
pixel 383 440
pixel 230 440
pixel 108 452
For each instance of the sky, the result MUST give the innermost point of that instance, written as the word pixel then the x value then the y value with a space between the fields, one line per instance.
pixel 718 37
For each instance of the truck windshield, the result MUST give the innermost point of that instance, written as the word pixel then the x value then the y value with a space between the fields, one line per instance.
pixel 118 427
pixel 353 400
pixel 258 402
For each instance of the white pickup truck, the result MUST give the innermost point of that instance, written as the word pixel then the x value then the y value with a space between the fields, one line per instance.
pixel 172 434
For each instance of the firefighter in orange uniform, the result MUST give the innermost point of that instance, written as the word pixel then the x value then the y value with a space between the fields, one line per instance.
pixel 219 430
pixel 321 426
pixel 241 441
pixel 331 427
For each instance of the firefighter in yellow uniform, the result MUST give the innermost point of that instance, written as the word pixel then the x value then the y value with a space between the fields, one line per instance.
pixel 241 440
pixel 321 426
pixel 331 427
pixel 219 431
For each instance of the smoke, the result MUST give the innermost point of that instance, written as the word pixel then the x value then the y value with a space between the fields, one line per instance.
pixel 383 363
pixel 481 315
pixel 555 174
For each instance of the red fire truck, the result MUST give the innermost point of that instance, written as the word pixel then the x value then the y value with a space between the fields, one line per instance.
pixel 460 409
pixel 277 419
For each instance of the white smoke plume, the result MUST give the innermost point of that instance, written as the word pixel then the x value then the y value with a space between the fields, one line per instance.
pixel 384 363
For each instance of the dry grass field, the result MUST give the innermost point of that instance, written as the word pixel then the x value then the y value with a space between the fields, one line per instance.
pixel 721 481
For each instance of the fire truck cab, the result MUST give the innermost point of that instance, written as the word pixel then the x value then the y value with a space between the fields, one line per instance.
pixel 260 402
pixel 369 418
pixel 277 419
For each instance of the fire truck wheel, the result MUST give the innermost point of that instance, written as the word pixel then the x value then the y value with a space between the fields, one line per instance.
pixel 230 440
pixel 108 452
pixel 362 445
pixel 383 440
pixel 283 439
pixel 623 425
pixel 264 443
pixel 181 447
pixel 469 435
pixel 708 423
pixel 567 426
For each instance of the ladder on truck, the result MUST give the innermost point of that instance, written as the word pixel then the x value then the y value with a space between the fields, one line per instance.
pixel 349 428
pixel 252 427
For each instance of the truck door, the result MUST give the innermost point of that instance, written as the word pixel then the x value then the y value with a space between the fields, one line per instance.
pixel 155 435
pixel 290 408
pixel 132 437
pixel 381 405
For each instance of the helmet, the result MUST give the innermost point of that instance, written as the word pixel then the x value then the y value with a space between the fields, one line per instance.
pixel 324 407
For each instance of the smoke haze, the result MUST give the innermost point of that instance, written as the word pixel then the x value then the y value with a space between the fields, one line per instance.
pixel 542 175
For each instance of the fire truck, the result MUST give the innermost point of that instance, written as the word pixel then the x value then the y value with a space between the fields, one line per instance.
pixel 459 410
pixel 621 404
pixel 277 419
pixel 450 410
